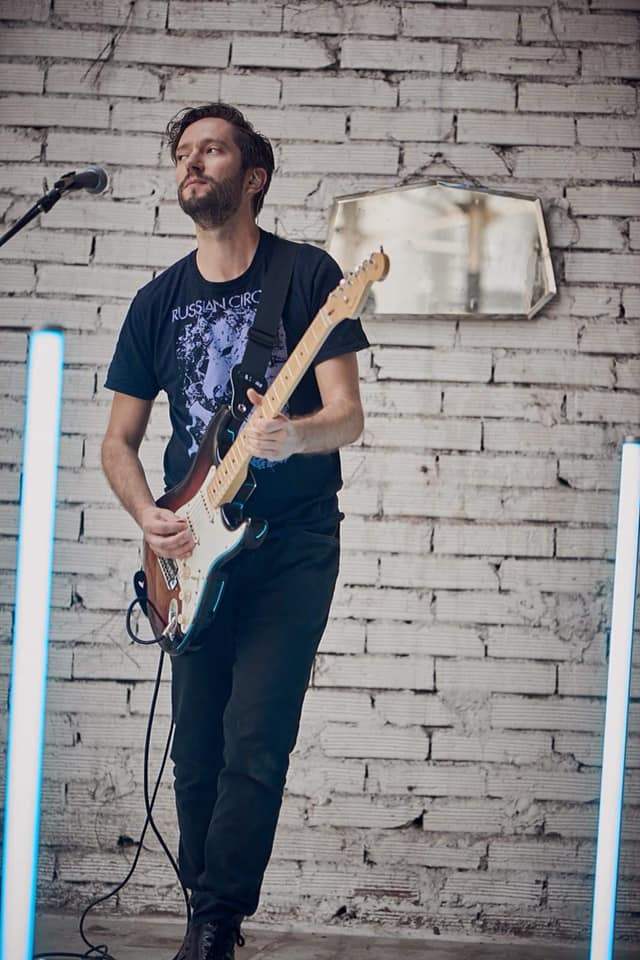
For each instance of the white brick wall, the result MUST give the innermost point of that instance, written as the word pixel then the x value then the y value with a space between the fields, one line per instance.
pixel 447 768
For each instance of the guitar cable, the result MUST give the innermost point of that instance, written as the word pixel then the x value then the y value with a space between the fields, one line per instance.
pixel 102 950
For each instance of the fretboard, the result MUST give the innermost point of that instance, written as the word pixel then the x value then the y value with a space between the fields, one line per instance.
pixel 231 472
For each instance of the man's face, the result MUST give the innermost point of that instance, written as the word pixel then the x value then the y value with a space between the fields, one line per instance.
pixel 209 172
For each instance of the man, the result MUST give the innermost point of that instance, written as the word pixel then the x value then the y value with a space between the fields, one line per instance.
pixel 236 699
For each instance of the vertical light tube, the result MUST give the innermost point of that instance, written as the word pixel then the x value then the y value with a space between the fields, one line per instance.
pixel 30 643
pixel 615 725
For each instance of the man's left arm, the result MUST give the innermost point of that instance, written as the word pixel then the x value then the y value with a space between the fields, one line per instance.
pixel 338 422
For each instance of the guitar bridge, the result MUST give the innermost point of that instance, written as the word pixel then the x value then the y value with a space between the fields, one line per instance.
pixel 169 570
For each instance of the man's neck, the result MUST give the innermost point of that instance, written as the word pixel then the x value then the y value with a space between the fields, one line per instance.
pixel 224 253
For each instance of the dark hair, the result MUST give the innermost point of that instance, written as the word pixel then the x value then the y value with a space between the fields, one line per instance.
pixel 255 149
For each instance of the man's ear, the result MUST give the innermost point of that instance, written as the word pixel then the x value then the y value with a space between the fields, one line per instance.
pixel 257 179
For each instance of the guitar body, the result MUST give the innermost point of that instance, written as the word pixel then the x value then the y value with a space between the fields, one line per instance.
pixel 182 595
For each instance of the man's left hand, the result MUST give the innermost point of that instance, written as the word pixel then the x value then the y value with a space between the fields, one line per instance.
pixel 271 438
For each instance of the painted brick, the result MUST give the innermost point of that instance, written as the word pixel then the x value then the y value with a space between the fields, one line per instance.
pixel 225 16
pixel 20 144
pixel 493 888
pixel 486 676
pixel 141 251
pixel 519 60
pixel 610 61
pixel 334 18
pixel 436 572
pixel 400 398
pixel 538 27
pixel 580 543
pixel 504 540
pixel 21 77
pixel 554 367
pixel 608 200
pixel 365 158
pixel 365 812
pixel 419 432
pixel 17 278
pixel 19 10
pixel 620 268
pixel 426 779
pixel 555 575
pixel 425 639
pixel 475 24
pixel 291 52
pixel 110 81
pixel 581 165
pixel 146 13
pixel 36 245
pixel 346 740
pixel 578 98
pixel 401 125
pixel 606 132
pixel 505 129
pixel 179 51
pixel 447 158
pixel 90 281
pixel 407 364
pixel 589 474
pixel 534 643
pixel 386 673
pixel 338 91
pixel 423 850
pixel 598 233
pixel 491 470
pixel 398 55
pixel 497 401
pixel 449 93
pixel 101 215
pixel 103 148
pixel 205 85
pixel 496 748
pixel 396 331
pixel 551 713
pixel 60 42
pixel 45 111
pixel 628 373
pixel 597 407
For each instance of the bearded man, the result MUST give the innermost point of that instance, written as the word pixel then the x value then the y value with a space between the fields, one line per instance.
pixel 238 697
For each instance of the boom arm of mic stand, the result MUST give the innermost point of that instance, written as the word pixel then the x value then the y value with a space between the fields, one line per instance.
pixel 43 205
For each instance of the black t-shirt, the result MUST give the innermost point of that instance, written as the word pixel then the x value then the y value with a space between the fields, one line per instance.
pixel 183 334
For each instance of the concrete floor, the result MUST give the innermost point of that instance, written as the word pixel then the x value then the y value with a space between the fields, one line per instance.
pixel 151 939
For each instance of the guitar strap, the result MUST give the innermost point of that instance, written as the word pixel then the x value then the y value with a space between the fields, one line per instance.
pixel 264 330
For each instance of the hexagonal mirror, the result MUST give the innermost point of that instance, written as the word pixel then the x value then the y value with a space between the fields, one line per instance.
pixel 455 251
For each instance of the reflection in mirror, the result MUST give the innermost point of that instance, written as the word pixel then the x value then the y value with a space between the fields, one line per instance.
pixel 455 251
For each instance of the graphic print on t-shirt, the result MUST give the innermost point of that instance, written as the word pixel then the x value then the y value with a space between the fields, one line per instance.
pixel 211 342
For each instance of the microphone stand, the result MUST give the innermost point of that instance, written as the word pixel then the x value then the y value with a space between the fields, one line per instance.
pixel 43 205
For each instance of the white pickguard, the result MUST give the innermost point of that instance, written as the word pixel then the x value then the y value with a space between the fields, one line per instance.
pixel 213 543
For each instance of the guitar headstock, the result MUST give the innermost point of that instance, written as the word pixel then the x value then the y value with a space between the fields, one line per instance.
pixel 348 297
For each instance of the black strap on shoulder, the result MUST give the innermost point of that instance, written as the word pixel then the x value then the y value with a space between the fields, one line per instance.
pixel 264 330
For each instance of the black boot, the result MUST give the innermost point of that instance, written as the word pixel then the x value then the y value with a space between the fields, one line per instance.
pixel 215 940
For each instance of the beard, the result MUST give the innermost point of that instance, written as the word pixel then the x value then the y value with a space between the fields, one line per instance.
pixel 215 206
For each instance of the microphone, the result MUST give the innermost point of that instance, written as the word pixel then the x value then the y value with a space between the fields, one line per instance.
pixel 91 179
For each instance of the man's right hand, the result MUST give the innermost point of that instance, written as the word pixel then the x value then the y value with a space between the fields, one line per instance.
pixel 167 534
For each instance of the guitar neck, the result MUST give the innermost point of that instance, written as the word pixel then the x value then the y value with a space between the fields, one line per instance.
pixel 231 472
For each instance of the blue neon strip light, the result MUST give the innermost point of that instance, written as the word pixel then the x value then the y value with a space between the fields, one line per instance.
pixel 618 684
pixel 30 644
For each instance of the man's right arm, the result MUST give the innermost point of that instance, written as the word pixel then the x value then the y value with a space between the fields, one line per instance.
pixel 167 534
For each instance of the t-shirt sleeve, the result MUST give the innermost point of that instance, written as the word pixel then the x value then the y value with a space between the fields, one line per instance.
pixel 131 370
pixel 348 336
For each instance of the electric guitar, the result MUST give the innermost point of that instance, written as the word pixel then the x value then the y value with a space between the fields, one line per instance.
pixel 180 597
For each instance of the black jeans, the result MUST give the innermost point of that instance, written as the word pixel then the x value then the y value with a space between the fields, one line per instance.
pixel 237 704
